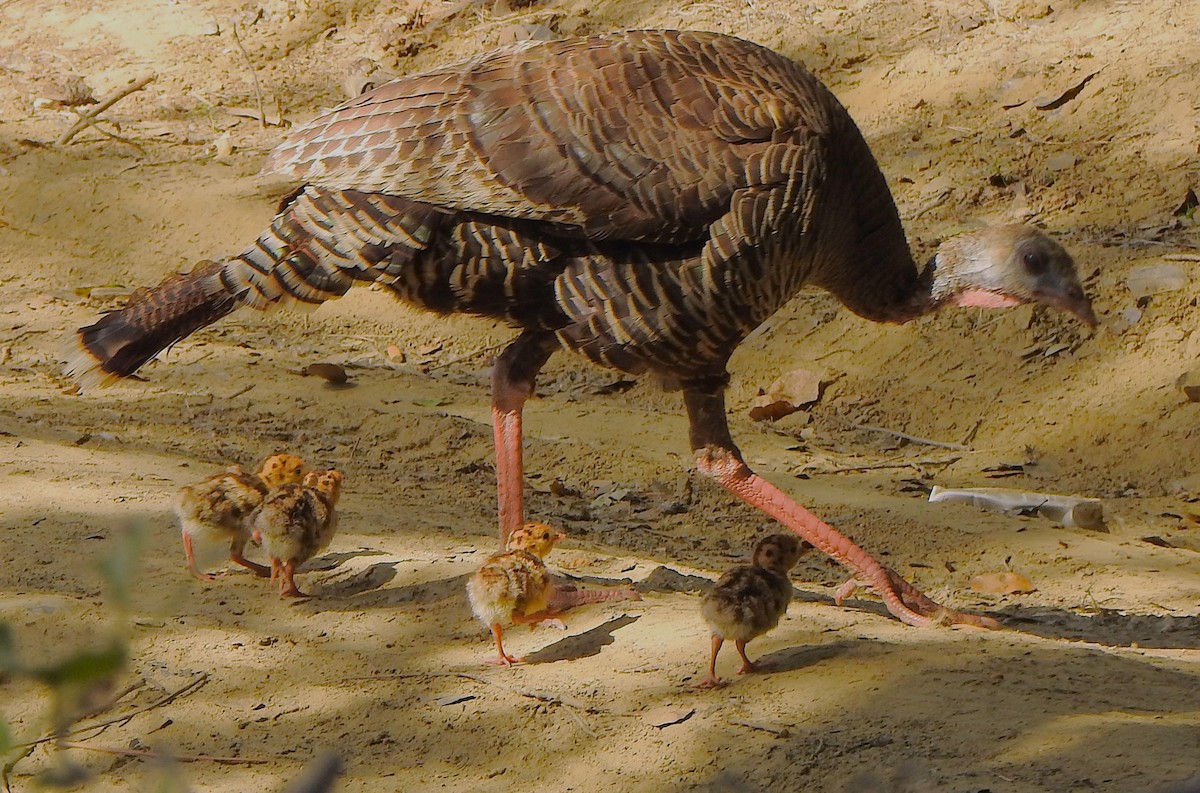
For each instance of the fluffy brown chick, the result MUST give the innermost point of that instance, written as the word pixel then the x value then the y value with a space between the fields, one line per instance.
pixel 514 586
pixel 297 521
pixel 749 600
pixel 220 508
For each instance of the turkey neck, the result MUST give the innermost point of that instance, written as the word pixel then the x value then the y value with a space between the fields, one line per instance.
pixel 855 245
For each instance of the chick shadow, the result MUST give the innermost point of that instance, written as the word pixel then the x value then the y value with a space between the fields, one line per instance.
pixel 367 590
pixel 372 578
pixel 582 645
pixel 791 659
pixel 332 561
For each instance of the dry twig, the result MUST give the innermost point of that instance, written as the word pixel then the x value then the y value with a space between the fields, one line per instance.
pixel 182 758
pixel 89 118
pixel 877 466
pixel 262 113
pixel 958 447
pixel 127 717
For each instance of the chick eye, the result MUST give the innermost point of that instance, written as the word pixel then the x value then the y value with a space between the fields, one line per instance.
pixel 1035 263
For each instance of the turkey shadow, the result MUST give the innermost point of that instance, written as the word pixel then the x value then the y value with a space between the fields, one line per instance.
pixel 1105 627
pixel 583 645
pixel 366 589
pixel 664 579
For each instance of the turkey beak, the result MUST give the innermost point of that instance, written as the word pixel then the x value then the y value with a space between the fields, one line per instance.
pixel 1081 306
pixel 1073 300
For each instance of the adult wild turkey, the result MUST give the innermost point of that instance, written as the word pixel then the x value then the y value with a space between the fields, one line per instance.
pixel 644 198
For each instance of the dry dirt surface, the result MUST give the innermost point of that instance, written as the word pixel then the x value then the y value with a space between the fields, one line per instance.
pixel 1079 116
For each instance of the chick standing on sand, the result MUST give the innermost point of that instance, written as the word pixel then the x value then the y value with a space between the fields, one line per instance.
pixel 749 600
pixel 515 585
pixel 221 506
pixel 295 522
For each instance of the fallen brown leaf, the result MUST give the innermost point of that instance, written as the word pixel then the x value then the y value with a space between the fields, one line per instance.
pixel 330 372
pixel 667 715
pixel 1006 583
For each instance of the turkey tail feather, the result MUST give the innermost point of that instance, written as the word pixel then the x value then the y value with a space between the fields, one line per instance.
pixel 316 248
pixel 152 320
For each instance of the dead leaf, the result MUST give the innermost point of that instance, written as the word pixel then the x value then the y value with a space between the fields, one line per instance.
pixel 1006 583
pixel 1067 95
pixel 666 715
pixel 767 409
pixel 615 387
pixel 330 372
pixel 1156 540
pixel 790 392
pixel 431 348
pixel 1061 161
pixel 1189 205
pixel 454 699
pixel 396 354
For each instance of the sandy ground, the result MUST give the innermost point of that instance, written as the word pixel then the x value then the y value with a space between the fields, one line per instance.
pixel 1093 686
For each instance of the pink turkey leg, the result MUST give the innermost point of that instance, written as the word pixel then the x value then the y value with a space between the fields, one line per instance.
pixel 513 376
pixel 506 421
pixel 902 599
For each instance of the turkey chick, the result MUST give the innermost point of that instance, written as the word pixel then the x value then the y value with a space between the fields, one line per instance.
pixel 514 586
pixel 749 600
pixel 220 508
pixel 297 521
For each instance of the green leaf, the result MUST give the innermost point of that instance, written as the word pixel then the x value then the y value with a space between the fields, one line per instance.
pixel 8 651
pixel 119 566
pixel 86 666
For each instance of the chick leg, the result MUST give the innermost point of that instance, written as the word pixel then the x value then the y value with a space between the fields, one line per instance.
pixel 287 581
pixel 712 681
pixel 718 457
pixel 237 551
pixel 748 666
pixel 514 376
pixel 503 658
pixel 190 553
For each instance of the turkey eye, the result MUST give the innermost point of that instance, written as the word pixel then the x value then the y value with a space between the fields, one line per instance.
pixel 1034 262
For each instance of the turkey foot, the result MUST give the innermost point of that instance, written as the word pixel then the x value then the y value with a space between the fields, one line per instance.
pixel 545 619
pixel 903 600
pixel 563 598
pixel 916 600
